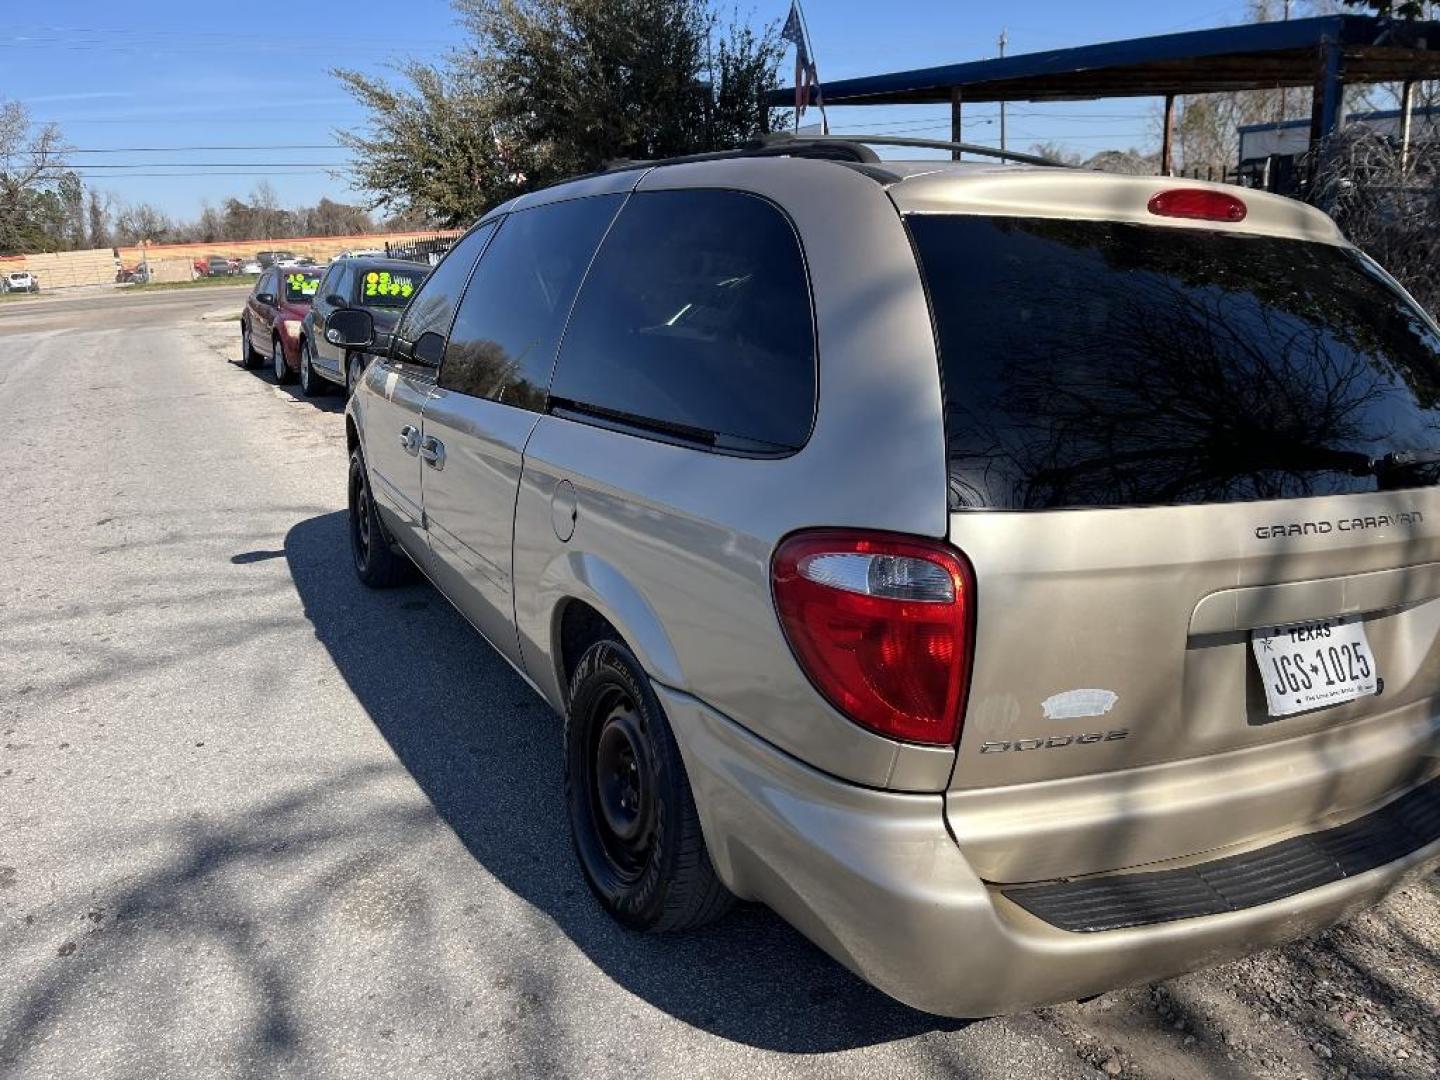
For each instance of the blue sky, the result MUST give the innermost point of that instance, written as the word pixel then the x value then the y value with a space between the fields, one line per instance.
pixel 168 74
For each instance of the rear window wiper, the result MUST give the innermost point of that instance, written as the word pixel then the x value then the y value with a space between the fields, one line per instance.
pixel 1404 459
pixel 1351 461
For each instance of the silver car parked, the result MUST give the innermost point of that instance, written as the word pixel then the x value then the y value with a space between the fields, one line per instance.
pixel 1025 581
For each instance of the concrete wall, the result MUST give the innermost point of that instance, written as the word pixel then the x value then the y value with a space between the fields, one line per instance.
pixel 64 269
pixel 59 270
pixel 320 248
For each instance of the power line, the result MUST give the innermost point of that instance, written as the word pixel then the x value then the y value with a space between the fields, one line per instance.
pixel 223 165
pixel 187 149
pixel 131 176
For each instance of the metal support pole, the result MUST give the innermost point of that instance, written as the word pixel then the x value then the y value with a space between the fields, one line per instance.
pixel 1329 105
pixel 1407 109
pixel 1167 139
pixel 955 136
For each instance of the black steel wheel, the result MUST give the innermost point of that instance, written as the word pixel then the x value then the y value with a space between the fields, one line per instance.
pixel 632 817
pixel 377 564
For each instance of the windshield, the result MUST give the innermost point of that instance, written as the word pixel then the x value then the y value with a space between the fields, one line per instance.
pixel 1095 363
pixel 387 288
pixel 300 285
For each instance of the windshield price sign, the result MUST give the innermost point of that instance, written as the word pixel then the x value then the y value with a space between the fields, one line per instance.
pixel 382 283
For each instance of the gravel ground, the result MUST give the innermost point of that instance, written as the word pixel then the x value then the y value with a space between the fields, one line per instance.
pixel 257 821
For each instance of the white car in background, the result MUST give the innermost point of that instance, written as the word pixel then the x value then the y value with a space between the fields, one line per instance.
pixel 361 253
pixel 252 267
pixel 19 281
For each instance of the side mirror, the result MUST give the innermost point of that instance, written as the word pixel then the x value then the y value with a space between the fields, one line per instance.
pixel 351 328
pixel 266 298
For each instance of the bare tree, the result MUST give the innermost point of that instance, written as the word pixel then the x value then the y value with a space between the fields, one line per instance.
pixel 266 204
pixel 1387 206
pixel 32 163
pixel 141 222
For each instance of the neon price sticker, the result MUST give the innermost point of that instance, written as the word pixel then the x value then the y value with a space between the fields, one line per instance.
pixel 380 283
pixel 301 284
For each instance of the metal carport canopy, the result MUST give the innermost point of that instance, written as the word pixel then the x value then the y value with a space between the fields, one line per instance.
pixel 1301 52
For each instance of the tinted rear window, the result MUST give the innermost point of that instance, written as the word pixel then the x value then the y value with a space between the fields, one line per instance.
pixel 1101 364
pixel 695 322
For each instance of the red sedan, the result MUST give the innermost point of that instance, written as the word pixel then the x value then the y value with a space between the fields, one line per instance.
pixel 270 323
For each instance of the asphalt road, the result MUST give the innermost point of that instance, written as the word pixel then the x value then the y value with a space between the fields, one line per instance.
pixel 258 821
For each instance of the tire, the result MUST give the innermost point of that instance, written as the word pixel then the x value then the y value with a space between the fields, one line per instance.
pixel 377 564
pixel 311 385
pixel 279 369
pixel 632 817
pixel 249 358
pixel 354 372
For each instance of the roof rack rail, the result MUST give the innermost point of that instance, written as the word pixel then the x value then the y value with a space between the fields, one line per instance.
pixel 849 149
pixel 782 144
pixel 780 139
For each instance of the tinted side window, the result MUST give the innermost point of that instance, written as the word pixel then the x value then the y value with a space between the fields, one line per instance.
pixel 327 283
pixel 503 343
pixel 340 284
pixel 433 307
pixel 695 323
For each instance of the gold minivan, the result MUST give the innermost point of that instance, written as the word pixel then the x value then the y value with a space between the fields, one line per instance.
pixel 1026 581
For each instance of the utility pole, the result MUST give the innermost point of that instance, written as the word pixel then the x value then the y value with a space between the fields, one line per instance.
pixel 1004 40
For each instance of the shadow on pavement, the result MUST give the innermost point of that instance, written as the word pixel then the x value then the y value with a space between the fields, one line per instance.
pixel 486 752
pixel 330 398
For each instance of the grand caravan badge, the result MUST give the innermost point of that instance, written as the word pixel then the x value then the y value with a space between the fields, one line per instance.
pixel 1349 524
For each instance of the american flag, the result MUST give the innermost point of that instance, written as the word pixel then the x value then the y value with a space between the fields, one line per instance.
pixel 805 74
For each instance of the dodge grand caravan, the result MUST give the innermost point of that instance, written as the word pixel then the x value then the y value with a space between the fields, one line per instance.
pixel 1025 581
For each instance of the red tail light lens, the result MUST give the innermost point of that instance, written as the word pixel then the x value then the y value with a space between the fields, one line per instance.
pixel 882 626
pixel 1201 204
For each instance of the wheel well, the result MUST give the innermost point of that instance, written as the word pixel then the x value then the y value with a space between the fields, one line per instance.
pixel 352 436
pixel 580 627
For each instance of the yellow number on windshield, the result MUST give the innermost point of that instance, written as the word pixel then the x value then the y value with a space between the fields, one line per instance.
pixel 381 283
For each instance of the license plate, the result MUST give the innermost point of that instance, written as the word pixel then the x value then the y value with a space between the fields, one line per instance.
pixel 1311 665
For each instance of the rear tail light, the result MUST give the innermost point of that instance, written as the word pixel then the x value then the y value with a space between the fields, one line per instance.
pixel 882 625
pixel 1201 204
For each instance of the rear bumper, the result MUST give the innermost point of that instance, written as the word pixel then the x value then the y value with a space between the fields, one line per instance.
pixel 876 880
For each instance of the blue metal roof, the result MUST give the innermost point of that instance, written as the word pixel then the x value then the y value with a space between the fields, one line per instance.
pixel 1251 56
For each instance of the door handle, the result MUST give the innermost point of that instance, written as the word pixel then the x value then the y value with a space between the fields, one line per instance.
pixel 432 451
pixel 409 438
